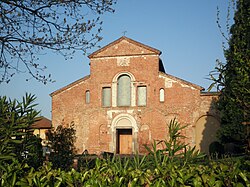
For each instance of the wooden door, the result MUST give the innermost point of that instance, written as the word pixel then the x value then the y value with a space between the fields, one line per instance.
pixel 125 141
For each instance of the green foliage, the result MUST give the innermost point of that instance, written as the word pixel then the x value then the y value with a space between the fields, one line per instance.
pixel 157 168
pixel 125 172
pixel 34 151
pixel 175 148
pixel 234 79
pixel 234 102
pixel 86 161
pixel 16 138
pixel 10 174
pixel 216 149
pixel 62 147
pixel 217 76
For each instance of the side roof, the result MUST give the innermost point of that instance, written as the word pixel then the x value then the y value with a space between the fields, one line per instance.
pixel 181 80
pixel 105 51
pixel 69 85
pixel 42 123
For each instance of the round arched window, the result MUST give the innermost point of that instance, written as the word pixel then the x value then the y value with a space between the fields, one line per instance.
pixel 124 91
pixel 162 95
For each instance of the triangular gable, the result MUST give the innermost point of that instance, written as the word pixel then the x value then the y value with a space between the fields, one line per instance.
pixel 124 47
pixel 184 82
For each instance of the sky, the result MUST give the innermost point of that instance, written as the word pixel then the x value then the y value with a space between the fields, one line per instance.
pixel 184 31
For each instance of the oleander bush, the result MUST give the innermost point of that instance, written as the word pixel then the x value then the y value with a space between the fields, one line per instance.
pixel 17 141
pixel 134 171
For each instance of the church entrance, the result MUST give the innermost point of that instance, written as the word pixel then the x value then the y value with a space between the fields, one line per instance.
pixel 124 141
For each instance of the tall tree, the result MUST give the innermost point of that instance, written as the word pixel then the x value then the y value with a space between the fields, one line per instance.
pixel 234 77
pixel 28 27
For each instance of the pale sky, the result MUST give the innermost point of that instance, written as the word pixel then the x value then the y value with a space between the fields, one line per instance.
pixel 185 32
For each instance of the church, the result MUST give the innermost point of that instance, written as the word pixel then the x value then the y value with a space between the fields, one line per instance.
pixel 128 100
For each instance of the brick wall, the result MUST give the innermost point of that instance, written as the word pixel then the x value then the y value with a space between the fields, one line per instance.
pixel 95 125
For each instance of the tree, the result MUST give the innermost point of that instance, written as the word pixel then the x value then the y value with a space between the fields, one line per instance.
pixel 32 151
pixel 62 147
pixel 28 27
pixel 234 79
pixel 17 141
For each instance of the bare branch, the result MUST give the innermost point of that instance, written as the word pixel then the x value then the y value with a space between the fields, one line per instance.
pixel 29 27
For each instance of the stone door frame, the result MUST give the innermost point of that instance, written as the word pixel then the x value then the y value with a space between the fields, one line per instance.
pixel 117 124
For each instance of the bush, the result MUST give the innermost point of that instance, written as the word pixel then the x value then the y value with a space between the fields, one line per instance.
pixel 62 147
pixel 216 149
pixel 158 168
pixel 86 162
pixel 16 137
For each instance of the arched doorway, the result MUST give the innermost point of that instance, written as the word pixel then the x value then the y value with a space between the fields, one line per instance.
pixel 124 134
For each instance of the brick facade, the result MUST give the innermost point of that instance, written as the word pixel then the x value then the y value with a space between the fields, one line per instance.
pixel 111 128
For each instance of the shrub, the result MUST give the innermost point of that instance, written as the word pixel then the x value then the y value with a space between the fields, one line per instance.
pixel 216 149
pixel 62 147
pixel 16 138
pixel 158 168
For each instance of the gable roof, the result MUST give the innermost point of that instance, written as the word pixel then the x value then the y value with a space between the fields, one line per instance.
pixel 106 50
pixel 42 123
pixel 183 81
pixel 69 85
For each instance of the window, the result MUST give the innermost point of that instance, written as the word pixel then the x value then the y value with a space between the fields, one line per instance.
pixel 87 97
pixel 142 95
pixel 162 95
pixel 106 96
pixel 124 91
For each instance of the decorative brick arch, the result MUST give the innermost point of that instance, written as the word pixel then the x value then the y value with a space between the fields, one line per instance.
pixel 123 73
pixel 117 122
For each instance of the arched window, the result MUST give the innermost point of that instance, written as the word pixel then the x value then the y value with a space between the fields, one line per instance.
pixel 124 91
pixel 87 96
pixel 162 95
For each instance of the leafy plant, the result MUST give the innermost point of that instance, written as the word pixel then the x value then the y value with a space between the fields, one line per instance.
pixel 16 135
pixel 11 173
pixel 62 147
pixel 175 165
pixel 86 162
pixel 175 148
pixel 233 78
pixel 33 151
